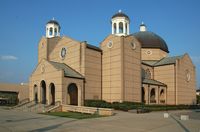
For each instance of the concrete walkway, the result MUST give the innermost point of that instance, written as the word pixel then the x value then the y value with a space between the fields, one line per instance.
pixel 15 121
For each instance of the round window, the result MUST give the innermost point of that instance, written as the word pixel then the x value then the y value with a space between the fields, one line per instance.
pixel 148 52
pixel 63 53
pixel 109 44
pixel 133 45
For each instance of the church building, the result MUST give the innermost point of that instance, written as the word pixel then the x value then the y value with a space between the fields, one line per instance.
pixel 126 66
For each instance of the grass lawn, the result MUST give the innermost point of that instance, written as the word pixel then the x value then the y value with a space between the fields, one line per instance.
pixel 74 115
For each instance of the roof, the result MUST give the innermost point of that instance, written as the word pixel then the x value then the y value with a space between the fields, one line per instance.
pixel 93 47
pixel 68 71
pixel 151 40
pixel 198 90
pixel 164 61
pixel 120 14
pixel 153 82
pixel 53 22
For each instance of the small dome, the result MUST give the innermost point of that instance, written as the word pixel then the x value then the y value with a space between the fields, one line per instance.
pixel 53 22
pixel 151 40
pixel 120 14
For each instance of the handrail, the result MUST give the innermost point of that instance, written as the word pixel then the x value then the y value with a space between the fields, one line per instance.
pixel 57 104
pixel 24 100
pixel 21 103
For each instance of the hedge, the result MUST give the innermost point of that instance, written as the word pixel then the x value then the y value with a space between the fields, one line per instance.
pixel 125 106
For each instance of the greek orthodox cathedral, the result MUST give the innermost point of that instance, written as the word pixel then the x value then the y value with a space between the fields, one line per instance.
pixel 126 66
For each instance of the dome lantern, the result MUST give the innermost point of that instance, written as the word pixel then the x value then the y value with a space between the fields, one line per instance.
pixel 120 24
pixel 52 29
pixel 143 27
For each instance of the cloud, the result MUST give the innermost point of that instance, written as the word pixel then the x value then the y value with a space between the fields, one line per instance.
pixel 8 57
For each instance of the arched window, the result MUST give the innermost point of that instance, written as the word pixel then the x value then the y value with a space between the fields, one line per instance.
pixel 121 30
pixel 51 31
pixel 148 74
pixel 115 28
pixel 55 32
pixel 162 96
pixel 126 29
pixel 153 96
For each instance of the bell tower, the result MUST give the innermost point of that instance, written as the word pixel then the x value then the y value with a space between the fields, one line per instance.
pixel 120 24
pixel 52 29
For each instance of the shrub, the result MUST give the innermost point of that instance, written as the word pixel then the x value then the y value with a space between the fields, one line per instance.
pixel 125 106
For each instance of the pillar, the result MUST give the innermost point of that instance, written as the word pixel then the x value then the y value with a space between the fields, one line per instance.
pixel 127 28
pixel 148 94
pixel 124 28
pixel 112 28
pixel 79 95
pixel 158 95
pixel 117 26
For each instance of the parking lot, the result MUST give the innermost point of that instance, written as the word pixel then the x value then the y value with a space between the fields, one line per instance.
pixel 16 121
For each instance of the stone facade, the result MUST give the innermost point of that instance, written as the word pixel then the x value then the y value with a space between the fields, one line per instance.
pixel 123 68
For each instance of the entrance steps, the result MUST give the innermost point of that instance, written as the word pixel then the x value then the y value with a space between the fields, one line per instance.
pixel 32 106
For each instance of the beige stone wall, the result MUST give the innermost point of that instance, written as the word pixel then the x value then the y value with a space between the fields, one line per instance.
pixel 49 75
pixel 22 90
pixel 121 69
pixel 93 78
pixel 80 86
pixel 42 49
pixel 153 54
pixel 82 59
pixel 185 88
pixel 73 55
pixel 166 75
pixel 131 69
pixel 112 69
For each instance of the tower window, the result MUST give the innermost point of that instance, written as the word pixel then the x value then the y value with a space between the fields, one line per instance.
pixel 115 28
pixel 121 30
pixel 51 31
pixel 55 32
pixel 126 28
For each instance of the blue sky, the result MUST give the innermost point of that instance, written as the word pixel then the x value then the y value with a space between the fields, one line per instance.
pixel 23 24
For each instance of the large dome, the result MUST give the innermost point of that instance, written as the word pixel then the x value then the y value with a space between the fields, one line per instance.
pixel 151 40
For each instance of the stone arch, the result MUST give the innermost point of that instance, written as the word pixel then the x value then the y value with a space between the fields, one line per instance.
pixel 115 28
pixel 50 31
pixel 162 96
pixel 35 93
pixel 55 32
pixel 126 27
pixel 43 92
pixel 148 73
pixel 73 94
pixel 52 94
pixel 153 96
pixel 143 95
pixel 121 27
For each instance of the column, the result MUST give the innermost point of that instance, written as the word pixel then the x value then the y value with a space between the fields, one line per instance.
pixel 165 95
pixel 53 34
pixel 124 28
pixel 112 28
pixel 117 26
pixel 79 95
pixel 158 95
pixel 148 94
pixel 127 28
